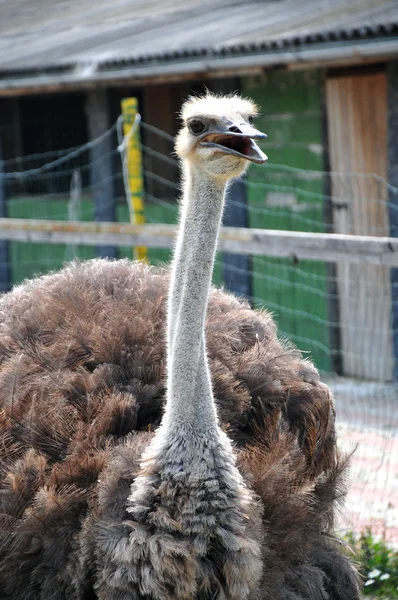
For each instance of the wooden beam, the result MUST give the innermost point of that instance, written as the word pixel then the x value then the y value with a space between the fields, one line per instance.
pixel 101 168
pixel 329 247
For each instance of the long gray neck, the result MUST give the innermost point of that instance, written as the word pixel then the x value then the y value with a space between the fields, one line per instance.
pixel 189 391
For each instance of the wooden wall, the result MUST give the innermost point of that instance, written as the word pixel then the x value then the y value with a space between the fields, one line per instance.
pixel 357 126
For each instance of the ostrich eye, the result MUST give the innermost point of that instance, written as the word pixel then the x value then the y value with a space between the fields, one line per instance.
pixel 196 126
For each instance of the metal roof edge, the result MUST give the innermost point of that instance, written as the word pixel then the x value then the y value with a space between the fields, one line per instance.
pixel 152 71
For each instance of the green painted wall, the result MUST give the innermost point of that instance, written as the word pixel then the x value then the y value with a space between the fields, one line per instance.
pixel 30 259
pixel 285 194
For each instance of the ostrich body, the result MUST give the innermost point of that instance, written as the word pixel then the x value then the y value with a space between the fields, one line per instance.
pixel 232 497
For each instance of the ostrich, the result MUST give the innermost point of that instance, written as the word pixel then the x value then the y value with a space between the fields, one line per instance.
pixel 199 467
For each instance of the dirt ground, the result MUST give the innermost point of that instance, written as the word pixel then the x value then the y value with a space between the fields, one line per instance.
pixel 367 418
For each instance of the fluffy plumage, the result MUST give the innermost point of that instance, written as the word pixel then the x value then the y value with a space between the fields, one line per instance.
pixel 82 386
pixel 95 505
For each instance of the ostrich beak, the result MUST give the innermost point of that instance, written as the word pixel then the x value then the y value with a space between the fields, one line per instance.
pixel 239 142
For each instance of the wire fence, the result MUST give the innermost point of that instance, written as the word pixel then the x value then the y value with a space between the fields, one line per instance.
pixel 341 315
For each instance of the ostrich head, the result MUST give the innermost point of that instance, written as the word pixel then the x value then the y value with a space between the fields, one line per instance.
pixel 218 136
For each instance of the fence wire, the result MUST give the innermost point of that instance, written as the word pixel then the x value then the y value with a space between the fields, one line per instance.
pixel 342 316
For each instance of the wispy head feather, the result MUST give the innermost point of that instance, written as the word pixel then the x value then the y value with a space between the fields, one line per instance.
pixel 217 105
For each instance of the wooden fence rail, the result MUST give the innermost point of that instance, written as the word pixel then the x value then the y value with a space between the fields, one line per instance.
pixel 286 244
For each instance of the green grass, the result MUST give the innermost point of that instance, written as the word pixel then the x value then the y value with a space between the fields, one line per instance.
pixel 378 565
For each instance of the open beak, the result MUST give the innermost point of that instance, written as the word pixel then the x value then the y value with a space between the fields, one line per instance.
pixel 240 143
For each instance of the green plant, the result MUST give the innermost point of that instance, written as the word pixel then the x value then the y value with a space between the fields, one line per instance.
pixel 377 564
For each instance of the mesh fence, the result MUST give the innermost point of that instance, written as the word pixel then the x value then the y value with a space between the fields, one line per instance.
pixel 341 315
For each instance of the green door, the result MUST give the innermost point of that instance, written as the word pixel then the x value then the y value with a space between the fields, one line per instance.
pixel 288 193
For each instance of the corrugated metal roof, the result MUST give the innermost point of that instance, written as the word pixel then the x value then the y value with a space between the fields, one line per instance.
pixel 43 34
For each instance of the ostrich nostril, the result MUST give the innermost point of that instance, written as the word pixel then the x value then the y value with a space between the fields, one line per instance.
pixel 234 129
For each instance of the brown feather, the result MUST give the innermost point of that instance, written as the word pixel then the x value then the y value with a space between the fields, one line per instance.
pixel 82 384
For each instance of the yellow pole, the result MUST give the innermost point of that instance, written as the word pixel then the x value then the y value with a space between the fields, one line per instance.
pixel 134 167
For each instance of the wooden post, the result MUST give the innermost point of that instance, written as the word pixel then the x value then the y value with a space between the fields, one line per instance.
pixel 5 283
pixel 74 208
pixel 134 168
pixel 101 170
pixel 237 268
pixel 392 128
pixel 333 302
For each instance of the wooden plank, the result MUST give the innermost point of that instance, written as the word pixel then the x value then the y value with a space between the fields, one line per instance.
pixel 292 244
pixel 357 125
